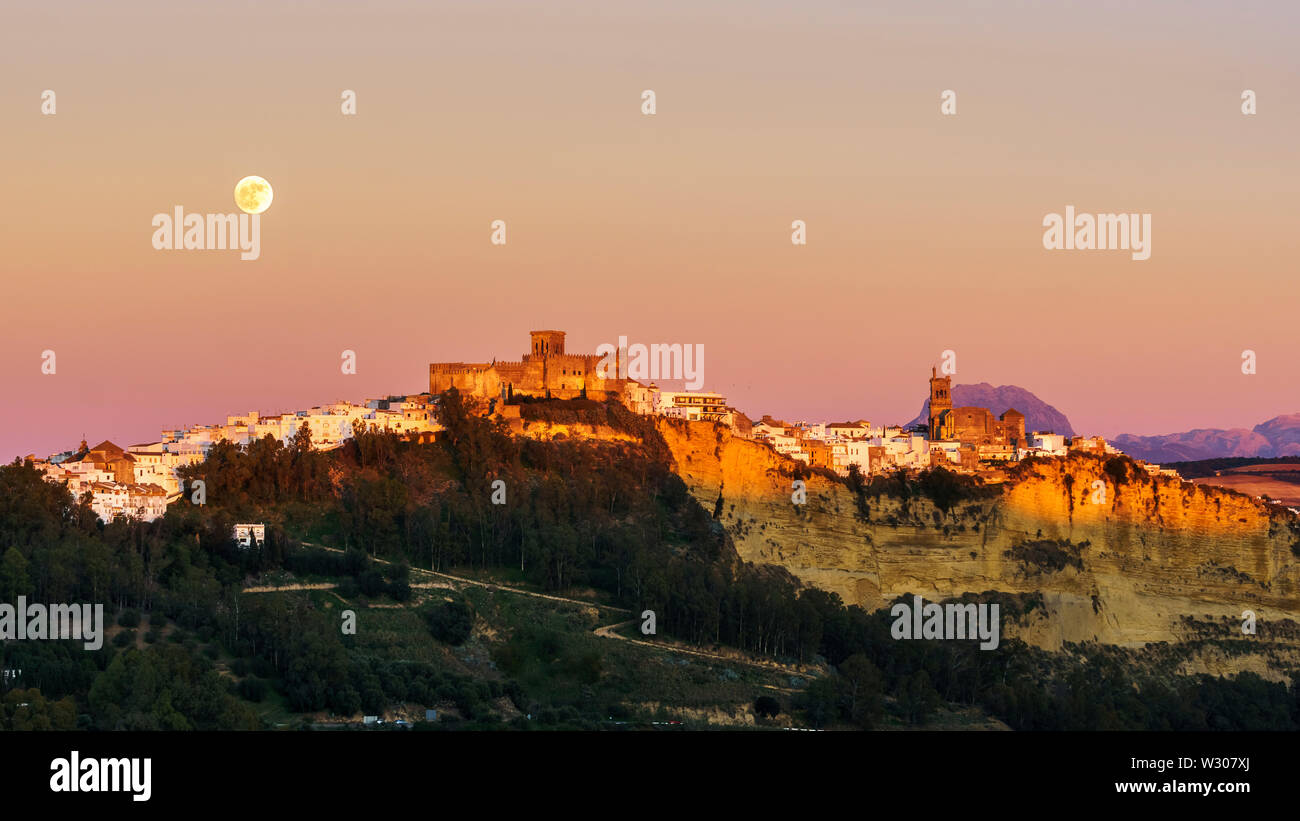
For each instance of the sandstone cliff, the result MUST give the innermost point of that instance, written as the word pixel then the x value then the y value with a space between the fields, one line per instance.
pixel 1132 567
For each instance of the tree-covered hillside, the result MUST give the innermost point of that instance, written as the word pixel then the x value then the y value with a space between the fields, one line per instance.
pixel 606 520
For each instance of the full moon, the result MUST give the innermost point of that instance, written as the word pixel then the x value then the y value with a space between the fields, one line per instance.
pixel 253 195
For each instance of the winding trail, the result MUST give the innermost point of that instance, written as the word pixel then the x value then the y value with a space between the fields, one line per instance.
pixel 609 631
pixel 270 588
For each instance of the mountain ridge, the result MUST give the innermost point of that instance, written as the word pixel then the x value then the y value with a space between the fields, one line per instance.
pixel 1279 436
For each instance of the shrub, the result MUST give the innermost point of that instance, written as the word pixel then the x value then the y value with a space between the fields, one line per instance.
pixel 348 588
pixel 451 622
pixel 1048 555
pixel 1116 468
pixel 252 689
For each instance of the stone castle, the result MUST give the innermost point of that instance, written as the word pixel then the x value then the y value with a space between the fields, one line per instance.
pixel 971 426
pixel 546 372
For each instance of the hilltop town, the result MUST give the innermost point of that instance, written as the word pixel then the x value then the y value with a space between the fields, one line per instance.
pixel 140 480
pixel 968 440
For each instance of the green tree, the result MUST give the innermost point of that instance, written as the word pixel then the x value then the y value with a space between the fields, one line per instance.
pixel 767 707
pixel 14 578
pixel 821 701
pixel 861 691
pixel 917 698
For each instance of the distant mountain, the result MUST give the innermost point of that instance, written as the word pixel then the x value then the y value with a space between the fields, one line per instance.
pixel 1039 415
pixel 1283 432
pixel 1279 436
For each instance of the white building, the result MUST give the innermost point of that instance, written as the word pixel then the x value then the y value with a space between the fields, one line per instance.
pixel 903 449
pixel 695 406
pixel 950 450
pixel 79 475
pixel 250 534
pixel 787 445
pixel 860 429
pixel 852 452
pixel 641 398
pixel 157 463
pixel 812 430
pixel 1049 444
pixel 112 499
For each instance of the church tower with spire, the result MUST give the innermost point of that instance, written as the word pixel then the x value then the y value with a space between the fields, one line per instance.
pixel 940 402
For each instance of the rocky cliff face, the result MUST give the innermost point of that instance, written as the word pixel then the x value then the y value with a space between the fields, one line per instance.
pixel 1131 566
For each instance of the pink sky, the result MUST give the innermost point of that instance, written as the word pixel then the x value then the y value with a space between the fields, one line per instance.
pixel 924 231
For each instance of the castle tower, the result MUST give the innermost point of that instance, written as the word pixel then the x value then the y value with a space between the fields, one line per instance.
pixel 940 402
pixel 547 343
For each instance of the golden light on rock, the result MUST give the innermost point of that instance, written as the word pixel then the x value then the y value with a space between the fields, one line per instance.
pixel 253 195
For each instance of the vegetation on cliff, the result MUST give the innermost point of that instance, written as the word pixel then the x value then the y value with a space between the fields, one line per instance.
pixel 1048 555
pixel 943 488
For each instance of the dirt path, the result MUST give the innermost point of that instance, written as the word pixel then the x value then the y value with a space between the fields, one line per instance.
pixel 477 583
pixel 268 588
pixel 609 631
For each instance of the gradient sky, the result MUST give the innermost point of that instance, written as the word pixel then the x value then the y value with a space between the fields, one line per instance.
pixel 924 231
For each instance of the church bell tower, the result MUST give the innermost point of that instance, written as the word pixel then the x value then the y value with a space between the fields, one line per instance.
pixel 940 402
